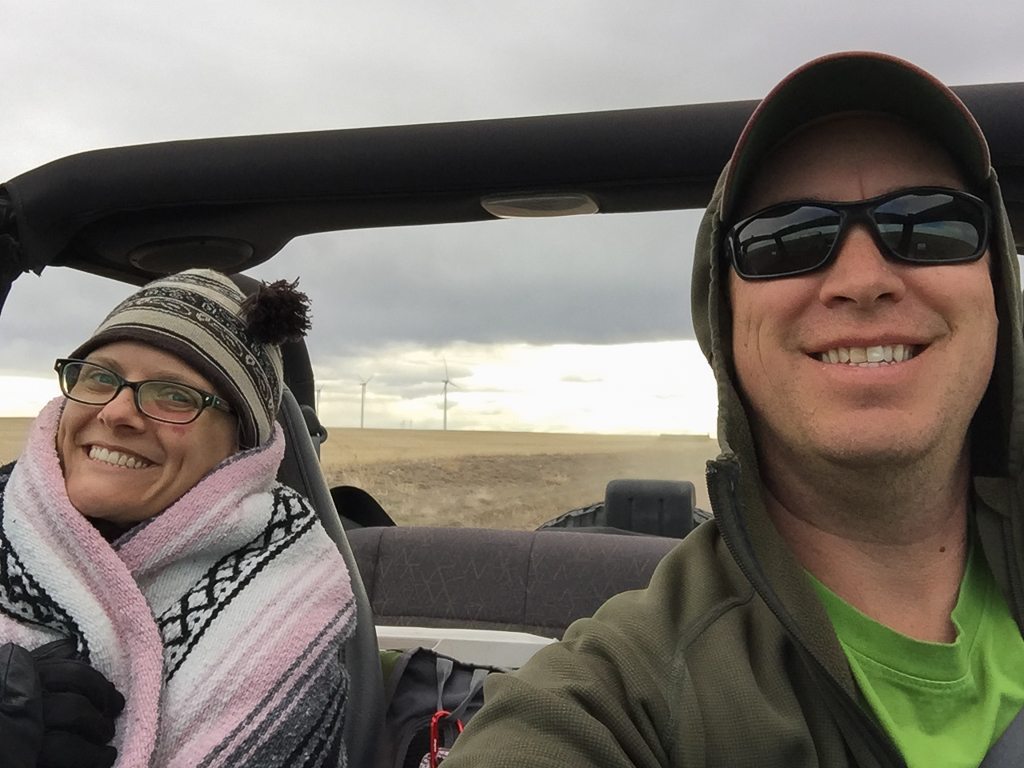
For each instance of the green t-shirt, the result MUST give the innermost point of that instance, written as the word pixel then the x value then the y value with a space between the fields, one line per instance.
pixel 943 704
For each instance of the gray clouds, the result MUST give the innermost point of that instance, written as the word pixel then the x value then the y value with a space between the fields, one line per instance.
pixel 586 280
pixel 80 76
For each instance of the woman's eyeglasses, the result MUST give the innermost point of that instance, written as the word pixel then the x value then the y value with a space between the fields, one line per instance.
pixel 168 401
pixel 920 225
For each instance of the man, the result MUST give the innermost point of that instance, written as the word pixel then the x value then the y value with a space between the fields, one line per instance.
pixel 858 600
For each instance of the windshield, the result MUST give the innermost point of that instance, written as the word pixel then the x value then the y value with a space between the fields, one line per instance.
pixel 562 349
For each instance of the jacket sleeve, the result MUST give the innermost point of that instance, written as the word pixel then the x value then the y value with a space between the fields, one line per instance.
pixel 598 698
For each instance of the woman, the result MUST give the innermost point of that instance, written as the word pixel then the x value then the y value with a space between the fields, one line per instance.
pixel 144 523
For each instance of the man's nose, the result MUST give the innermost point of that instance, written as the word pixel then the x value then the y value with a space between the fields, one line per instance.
pixel 860 274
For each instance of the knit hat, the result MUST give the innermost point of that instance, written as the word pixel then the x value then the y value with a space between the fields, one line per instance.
pixel 203 318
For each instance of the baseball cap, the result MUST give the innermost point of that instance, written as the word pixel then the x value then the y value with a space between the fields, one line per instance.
pixel 857 81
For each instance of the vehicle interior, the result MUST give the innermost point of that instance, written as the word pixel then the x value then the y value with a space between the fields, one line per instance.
pixel 135 213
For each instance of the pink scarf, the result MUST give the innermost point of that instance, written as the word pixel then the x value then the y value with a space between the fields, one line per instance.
pixel 220 620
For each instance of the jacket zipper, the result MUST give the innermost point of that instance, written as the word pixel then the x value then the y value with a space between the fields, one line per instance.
pixel 716 474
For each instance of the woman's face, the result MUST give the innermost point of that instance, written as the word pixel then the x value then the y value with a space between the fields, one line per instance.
pixel 166 459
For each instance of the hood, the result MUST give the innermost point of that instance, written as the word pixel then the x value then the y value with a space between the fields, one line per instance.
pixel 734 482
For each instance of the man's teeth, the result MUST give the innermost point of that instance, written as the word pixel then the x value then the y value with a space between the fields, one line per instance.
pixel 893 353
pixel 115 457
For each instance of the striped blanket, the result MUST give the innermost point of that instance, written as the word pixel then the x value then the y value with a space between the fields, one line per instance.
pixel 221 619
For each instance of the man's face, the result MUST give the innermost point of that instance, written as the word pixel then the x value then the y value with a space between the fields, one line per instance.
pixel 843 412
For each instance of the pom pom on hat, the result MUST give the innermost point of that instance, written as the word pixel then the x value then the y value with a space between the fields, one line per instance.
pixel 277 313
pixel 203 318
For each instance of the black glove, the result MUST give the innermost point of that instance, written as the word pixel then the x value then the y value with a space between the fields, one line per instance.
pixel 21 709
pixel 79 706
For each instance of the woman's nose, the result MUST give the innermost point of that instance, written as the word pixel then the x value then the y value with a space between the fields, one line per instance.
pixel 122 409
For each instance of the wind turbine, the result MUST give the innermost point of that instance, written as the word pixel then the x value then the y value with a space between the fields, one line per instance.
pixel 362 399
pixel 446 381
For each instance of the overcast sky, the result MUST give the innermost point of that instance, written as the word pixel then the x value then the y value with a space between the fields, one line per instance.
pixel 576 324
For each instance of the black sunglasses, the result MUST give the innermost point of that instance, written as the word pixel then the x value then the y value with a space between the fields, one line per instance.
pixel 920 225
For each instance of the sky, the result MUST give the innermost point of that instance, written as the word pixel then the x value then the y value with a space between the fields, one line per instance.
pixel 579 324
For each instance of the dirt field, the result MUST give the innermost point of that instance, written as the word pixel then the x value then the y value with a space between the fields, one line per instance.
pixel 12 438
pixel 485 479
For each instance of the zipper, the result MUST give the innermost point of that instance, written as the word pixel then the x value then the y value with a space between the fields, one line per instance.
pixel 1012 534
pixel 724 472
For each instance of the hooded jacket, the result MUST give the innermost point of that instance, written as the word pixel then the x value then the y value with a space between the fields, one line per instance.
pixel 728 658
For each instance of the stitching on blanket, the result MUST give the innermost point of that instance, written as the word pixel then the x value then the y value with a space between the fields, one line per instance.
pixel 229 751
pixel 185 622
pixel 321 742
pixel 21 596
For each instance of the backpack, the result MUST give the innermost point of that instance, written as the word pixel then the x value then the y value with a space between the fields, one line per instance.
pixel 422 685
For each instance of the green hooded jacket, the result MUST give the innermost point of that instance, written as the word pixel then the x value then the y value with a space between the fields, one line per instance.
pixel 728 658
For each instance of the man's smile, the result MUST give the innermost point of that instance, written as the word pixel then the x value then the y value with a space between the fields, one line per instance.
pixel 879 354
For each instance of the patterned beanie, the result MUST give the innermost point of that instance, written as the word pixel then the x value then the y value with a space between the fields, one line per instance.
pixel 203 318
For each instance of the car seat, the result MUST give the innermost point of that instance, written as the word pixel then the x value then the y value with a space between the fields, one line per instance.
pixel 523 581
pixel 300 470
pixel 641 507
pixel 658 507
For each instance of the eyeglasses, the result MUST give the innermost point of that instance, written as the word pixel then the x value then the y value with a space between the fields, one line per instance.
pixel 168 401
pixel 920 225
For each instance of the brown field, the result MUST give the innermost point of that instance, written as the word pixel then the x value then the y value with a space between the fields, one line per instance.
pixel 12 438
pixel 485 479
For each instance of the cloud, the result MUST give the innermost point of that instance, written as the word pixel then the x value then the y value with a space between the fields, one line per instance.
pixel 653 388
pixel 83 76
pixel 594 280
pixel 24 396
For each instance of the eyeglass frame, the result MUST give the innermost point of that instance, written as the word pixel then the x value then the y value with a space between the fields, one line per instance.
pixel 210 400
pixel 862 212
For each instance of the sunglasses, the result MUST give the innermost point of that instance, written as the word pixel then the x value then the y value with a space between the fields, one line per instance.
pixel 920 225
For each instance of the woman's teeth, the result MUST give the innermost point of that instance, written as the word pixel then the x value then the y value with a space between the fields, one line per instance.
pixel 117 458
pixel 893 353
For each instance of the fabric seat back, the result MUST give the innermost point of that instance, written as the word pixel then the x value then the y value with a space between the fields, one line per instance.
pixel 300 470
pixel 525 581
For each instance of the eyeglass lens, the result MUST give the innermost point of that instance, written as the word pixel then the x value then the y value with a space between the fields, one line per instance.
pixel 162 400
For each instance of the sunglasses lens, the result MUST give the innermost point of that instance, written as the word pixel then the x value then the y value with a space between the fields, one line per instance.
pixel 932 228
pixel 786 240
